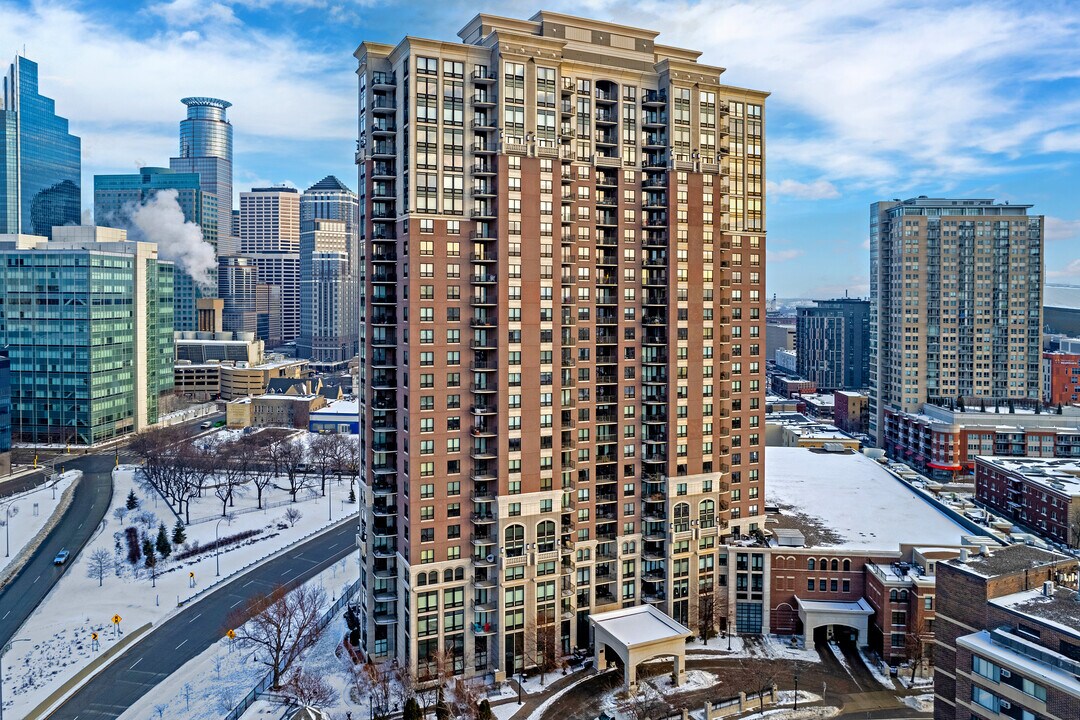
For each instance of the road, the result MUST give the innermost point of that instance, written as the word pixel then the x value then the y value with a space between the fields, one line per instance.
pixel 88 506
pixel 194 629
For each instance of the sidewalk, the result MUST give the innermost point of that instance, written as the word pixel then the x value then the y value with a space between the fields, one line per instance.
pixel 533 703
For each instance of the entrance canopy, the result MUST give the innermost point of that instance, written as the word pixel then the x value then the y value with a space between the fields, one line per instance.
pixel 637 634
pixel 819 613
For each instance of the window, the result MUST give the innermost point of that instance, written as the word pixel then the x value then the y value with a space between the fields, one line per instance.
pixel 985 668
pixel 985 698
pixel 1034 690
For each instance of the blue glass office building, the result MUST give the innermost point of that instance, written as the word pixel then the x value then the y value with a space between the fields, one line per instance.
pixel 40 161
pixel 206 149
pixel 115 196
pixel 5 412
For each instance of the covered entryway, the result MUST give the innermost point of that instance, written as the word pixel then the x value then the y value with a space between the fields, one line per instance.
pixel 636 634
pixel 834 620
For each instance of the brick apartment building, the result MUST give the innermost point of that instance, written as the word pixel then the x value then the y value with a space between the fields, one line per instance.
pixel 851 411
pixel 562 371
pixel 1007 636
pixel 792 386
pixel 1039 493
pixel 1061 378
pixel 943 442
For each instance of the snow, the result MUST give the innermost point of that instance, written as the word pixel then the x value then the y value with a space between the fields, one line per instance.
pixel 26 520
pixel 186 693
pixel 542 708
pixel 639 625
pixel 59 629
pixel 839 655
pixel 769 647
pixel 879 511
pixel 875 669
pixel 923 703
pixel 818 712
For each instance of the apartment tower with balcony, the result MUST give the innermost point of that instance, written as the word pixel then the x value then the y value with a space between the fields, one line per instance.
pixel 562 368
pixel 955 306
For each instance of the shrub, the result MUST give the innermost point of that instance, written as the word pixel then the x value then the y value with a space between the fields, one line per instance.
pixel 197 549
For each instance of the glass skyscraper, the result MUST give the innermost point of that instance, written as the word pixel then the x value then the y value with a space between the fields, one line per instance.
pixel 206 149
pixel 116 195
pixel 40 161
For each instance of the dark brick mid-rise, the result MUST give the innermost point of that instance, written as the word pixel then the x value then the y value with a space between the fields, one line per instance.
pixel 1007 636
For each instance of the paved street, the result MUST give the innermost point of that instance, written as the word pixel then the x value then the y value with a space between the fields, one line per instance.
pixel 91 500
pixel 189 633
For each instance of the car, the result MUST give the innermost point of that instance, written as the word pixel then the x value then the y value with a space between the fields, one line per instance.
pixel 61 557
pixel 206 425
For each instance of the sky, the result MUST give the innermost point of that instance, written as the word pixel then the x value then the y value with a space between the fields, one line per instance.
pixel 870 100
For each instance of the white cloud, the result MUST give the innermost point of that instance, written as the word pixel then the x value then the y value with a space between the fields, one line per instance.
pixel 1060 229
pixel 1070 272
pixel 853 286
pixel 865 244
pixel 779 256
pixel 190 13
pixel 813 190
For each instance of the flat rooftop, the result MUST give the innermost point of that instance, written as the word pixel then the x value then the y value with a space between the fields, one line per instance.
pixel 848 500
pixel 640 625
pixel 1060 474
pixel 338 407
pixel 1060 607
pixel 1007 560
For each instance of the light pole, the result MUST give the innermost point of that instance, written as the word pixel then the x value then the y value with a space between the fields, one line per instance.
pixel 7 528
pixel 796 685
pixel 3 651
pixel 217 548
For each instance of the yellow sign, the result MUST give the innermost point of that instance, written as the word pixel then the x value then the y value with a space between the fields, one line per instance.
pixel 230 634
pixel 116 619
pixel 191 574
pixel 93 636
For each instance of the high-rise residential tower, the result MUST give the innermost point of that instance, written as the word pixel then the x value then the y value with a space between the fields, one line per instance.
pixel 270 239
pixel 955 303
pixel 562 365
pixel 206 149
pixel 117 196
pixel 40 161
pixel 833 338
pixel 329 335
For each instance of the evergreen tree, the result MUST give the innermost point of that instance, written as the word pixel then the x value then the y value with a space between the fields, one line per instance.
pixel 352 495
pixel 162 545
pixel 178 533
pixel 484 711
pixel 442 710
pixel 412 710
pixel 147 549
pixel 132 501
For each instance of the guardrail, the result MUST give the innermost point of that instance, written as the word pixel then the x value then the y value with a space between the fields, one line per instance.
pixel 263 685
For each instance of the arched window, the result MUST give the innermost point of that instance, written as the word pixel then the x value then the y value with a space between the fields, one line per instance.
pixel 545 536
pixel 810 564
pixel 835 564
pixel 515 540
pixel 448 575
pixel 682 517
pixel 893 595
pixel 421 579
pixel 778 563
pixel 903 596
pixel 824 564
pixel 433 577
pixel 707 513
pixel 459 574
pixel 847 565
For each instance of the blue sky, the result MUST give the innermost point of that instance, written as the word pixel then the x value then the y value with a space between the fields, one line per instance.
pixel 870 100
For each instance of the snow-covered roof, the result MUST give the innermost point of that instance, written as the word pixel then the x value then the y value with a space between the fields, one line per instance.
pixel 848 500
pixel 1021 654
pixel 1060 608
pixel 640 625
pixel 338 407
pixel 849 607
pixel 1060 474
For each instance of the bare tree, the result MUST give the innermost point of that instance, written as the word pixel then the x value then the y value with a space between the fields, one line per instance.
pixel 380 683
pixel 291 456
pixel 542 646
pixel 308 689
pixel 1074 526
pixel 706 612
pixel 321 455
pixel 646 703
pixel 98 565
pixel 282 626
pixel 232 474
pixel 405 683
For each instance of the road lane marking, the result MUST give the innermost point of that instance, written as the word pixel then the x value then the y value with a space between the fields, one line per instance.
pixel 333 546
pixel 236 603
pixel 181 644
pixel 37 578
pixel 195 618
pixel 6 614
pixel 136 663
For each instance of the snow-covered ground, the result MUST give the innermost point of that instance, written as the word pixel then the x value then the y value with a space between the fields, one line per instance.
pixel 876 669
pixel 922 703
pixel 210 685
pixel 60 629
pixel 28 512
pixel 768 647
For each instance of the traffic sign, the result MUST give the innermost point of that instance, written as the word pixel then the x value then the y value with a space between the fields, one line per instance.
pixel 191 575
pixel 231 634
pixel 116 619
pixel 93 636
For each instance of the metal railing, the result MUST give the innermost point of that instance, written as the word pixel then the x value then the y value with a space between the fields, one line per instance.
pixel 263 685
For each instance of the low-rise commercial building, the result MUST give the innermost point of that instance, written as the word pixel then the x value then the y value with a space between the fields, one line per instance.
pixel 792 386
pixel 1042 494
pixel 942 442
pixel 243 380
pixel 786 360
pixel 1008 636
pixel 340 416
pixel 789 429
pixel 1061 378
pixel 204 347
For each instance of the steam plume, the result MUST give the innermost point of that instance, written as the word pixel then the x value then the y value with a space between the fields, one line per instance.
pixel 161 220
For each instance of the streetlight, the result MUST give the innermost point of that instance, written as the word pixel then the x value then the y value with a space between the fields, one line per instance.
pixel 796 685
pixel 7 526
pixel 3 651
pixel 521 682
pixel 217 548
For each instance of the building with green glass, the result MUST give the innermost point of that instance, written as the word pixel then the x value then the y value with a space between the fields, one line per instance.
pixel 117 196
pixel 87 320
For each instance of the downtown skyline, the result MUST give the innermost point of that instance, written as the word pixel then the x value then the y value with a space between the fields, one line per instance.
pixel 888 100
